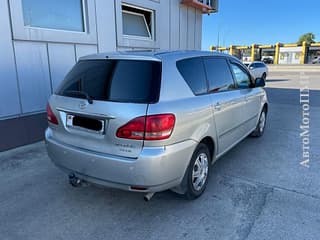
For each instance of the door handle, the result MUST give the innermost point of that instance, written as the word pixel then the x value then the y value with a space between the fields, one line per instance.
pixel 217 106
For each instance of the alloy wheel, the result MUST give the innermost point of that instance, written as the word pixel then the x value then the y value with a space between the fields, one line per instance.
pixel 200 171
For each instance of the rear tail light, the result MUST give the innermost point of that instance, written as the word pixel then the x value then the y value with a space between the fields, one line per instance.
pixel 154 127
pixel 50 115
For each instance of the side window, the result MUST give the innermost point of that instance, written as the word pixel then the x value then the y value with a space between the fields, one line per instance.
pixel 252 66
pixel 218 74
pixel 192 70
pixel 241 76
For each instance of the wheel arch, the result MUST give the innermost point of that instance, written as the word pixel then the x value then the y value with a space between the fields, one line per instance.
pixel 210 143
pixel 266 107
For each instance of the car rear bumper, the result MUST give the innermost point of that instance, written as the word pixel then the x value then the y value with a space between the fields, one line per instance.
pixel 156 169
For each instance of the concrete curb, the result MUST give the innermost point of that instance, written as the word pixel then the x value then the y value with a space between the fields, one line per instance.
pixel 294 68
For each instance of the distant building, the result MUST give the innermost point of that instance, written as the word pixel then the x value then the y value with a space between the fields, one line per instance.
pixel 290 55
pixel 278 53
pixel 41 40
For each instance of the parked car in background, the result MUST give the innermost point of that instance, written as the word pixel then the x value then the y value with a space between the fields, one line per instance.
pixel 258 69
pixel 117 119
pixel 316 60
pixel 267 60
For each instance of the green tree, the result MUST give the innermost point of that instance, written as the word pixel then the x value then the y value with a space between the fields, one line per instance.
pixel 308 37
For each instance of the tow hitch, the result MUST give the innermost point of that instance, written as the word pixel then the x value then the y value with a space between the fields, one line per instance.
pixel 74 181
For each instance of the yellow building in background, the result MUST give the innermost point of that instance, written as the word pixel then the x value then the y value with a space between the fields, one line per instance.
pixel 278 53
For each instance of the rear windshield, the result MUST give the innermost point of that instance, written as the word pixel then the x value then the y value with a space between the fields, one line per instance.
pixel 134 81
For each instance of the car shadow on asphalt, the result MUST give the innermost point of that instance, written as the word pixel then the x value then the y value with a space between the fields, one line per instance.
pixel 291 96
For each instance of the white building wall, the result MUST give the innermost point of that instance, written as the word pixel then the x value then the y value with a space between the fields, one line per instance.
pixel 106 27
pixel 58 68
pixel 290 55
pixel 34 61
pixel 9 89
pixel 33 75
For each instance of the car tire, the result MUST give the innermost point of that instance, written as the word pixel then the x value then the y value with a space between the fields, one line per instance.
pixel 264 76
pixel 258 132
pixel 198 172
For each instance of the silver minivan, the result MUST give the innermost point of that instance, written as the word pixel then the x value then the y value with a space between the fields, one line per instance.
pixel 152 121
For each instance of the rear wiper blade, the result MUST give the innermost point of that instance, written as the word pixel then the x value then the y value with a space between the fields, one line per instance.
pixel 81 94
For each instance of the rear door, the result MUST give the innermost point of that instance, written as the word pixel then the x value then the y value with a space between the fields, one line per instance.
pixel 227 102
pixel 254 70
pixel 97 97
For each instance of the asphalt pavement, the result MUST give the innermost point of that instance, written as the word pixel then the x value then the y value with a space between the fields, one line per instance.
pixel 259 190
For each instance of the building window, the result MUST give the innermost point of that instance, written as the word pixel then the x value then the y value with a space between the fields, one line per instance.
pixel 59 14
pixel 137 22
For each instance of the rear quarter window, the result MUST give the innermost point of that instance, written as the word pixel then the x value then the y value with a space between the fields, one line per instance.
pixel 193 72
pixel 133 81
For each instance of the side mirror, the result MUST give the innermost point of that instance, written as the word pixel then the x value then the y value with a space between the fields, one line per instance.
pixel 251 68
pixel 260 82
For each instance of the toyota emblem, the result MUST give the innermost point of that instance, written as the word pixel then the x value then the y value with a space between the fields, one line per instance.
pixel 83 105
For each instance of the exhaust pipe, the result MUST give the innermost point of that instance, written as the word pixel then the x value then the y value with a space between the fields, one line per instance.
pixel 74 181
pixel 148 196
